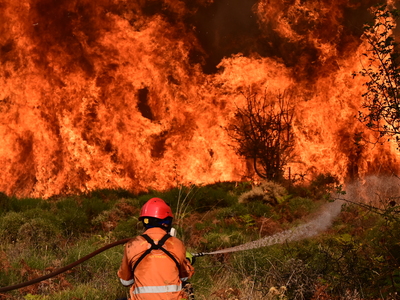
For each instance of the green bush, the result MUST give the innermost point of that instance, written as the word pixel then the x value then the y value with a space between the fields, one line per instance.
pixel 5 203
pixel 19 205
pixel 300 207
pixel 381 251
pixel 211 197
pixel 144 197
pixel 109 194
pixel 323 185
pixel 73 218
pixel 127 228
pixel 38 233
pixel 235 210
pixel 121 210
pixel 362 256
pixel 260 209
pixel 49 215
pixel 94 206
pixel 256 208
pixel 10 224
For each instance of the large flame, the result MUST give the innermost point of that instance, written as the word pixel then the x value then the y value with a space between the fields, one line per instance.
pixel 136 94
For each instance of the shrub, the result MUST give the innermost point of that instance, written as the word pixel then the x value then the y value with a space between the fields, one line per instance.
pixel 73 218
pixel 38 233
pixel 323 185
pixel 363 256
pixel 127 228
pixel 19 205
pixel 109 194
pixel 107 220
pixel 260 209
pixel 5 203
pixel 10 225
pixel 94 206
pixel 268 191
pixel 232 211
pixel 300 207
pixel 143 198
pixel 48 215
pixel 212 197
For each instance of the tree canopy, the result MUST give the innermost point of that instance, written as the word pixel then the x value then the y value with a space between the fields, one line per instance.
pixel 382 98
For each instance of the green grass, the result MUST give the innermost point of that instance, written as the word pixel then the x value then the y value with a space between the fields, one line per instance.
pixel 359 253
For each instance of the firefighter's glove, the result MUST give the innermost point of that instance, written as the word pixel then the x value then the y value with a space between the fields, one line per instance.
pixel 190 258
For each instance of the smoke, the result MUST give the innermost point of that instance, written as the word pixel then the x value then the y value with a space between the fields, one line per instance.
pixel 323 221
pixel 224 28
pixel 374 190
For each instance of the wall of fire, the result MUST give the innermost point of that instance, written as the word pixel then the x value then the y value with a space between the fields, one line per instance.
pixel 135 94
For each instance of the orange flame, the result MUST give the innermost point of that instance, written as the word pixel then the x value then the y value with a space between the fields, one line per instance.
pixel 135 95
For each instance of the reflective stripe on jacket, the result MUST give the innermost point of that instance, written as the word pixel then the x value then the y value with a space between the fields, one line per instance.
pixel 157 276
pixel 157 289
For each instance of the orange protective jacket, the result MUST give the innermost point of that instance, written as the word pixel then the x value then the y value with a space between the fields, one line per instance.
pixel 157 276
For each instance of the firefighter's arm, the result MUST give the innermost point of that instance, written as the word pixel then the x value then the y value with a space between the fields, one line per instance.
pixel 187 269
pixel 126 283
pixel 125 273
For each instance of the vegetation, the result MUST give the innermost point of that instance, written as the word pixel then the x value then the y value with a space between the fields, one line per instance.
pixel 382 98
pixel 357 258
pixel 262 132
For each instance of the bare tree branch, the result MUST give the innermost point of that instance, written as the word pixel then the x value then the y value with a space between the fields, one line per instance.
pixel 262 131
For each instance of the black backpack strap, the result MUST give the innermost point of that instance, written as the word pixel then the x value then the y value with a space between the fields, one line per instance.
pixel 160 242
pixel 158 246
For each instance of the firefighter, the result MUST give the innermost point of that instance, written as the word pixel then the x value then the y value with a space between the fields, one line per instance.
pixel 155 265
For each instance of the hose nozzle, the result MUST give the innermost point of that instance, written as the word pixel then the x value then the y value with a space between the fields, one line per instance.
pixel 199 254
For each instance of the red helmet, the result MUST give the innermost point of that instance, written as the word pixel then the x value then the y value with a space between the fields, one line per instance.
pixel 156 208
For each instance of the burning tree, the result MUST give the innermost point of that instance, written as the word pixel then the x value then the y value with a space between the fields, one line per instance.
pixel 382 98
pixel 262 132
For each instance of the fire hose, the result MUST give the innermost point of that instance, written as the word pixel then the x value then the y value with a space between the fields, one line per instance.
pixel 64 269
pixel 72 265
